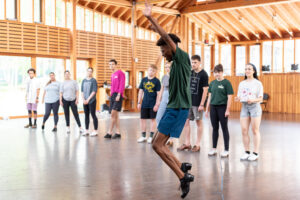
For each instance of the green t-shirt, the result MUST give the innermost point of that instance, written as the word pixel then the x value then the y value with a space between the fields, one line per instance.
pixel 219 91
pixel 179 83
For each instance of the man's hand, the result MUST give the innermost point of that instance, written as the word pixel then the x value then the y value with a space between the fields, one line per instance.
pixel 139 106
pixel 155 109
pixel 201 108
pixel 227 113
pixel 148 9
pixel 61 103
pixel 118 97
pixel 237 99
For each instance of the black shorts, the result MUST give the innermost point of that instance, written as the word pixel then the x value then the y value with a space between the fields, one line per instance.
pixel 148 113
pixel 115 105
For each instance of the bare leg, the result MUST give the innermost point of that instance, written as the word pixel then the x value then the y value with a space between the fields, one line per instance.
pixel 245 122
pixel 187 131
pixel 153 125
pixel 164 153
pixel 112 121
pixel 117 123
pixel 199 131
pixel 143 125
pixel 255 123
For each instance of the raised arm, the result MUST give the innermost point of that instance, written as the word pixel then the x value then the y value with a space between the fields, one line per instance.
pixel 157 27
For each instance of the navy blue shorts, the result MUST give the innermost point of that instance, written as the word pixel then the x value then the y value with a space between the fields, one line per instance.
pixel 172 122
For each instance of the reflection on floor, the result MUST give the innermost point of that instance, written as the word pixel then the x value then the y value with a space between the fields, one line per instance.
pixel 47 166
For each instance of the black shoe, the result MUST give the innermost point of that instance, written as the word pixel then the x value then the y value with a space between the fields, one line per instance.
pixel 107 136
pixel 116 136
pixel 185 184
pixel 54 130
pixel 43 127
pixel 185 167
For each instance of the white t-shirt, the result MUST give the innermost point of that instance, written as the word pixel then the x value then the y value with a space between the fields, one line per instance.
pixel 32 86
pixel 250 90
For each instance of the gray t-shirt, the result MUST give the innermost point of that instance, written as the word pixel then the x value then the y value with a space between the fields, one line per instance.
pixel 250 90
pixel 87 87
pixel 68 89
pixel 165 82
pixel 52 92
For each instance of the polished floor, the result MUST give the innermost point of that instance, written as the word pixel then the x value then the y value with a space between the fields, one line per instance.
pixel 36 165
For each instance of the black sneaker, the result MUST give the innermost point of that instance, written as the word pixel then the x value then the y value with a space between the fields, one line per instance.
pixel 185 184
pixel 185 167
pixel 116 136
pixel 43 127
pixel 54 129
pixel 107 136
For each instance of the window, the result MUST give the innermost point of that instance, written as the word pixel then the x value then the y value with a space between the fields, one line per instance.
pixel 207 59
pixel 50 12
pixel 297 56
pixel 120 28
pixel 198 49
pixel 147 35
pixel 139 80
pixel 26 11
pixel 11 9
pixel 141 33
pixel 255 56
pixel 81 67
pixel 127 30
pixel 240 60
pixel 37 11
pixel 226 59
pixel 69 15
pixel 88 20
pixel 2 9
pixel 216 53
pixel 79 18
pixel 153 36
pixel 127 78
pixel 105 24
pixel 288 55
pixel 267 54
pixel 97 22
pixel 277 56
pixel 60 13
pixel 13 78
pixel 112 26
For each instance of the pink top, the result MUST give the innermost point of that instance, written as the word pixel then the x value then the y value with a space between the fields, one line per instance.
pixel 117 82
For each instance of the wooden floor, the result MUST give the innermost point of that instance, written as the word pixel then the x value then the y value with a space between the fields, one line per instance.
pixel 47 166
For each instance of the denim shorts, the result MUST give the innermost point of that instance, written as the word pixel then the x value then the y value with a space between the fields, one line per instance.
pixel 251 110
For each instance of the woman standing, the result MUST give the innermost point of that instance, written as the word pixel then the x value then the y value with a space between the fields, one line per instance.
pixel 164 98
pixel 51 99
pixel 219 100
pixel 69 98
pixel 250 94
pixel 89 90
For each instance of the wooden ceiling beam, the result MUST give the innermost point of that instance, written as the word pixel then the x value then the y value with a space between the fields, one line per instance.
pixel 122 12
pixel 120 3
pixel 253 19
pixel 87 3
pixel 214 17
pixel 151 1
pixel 290 13
pixel 278 19
pixel 157 9
pixel 114 10
pixel 97 5
pixel 229 5
pixel 146 23
pixel 167 21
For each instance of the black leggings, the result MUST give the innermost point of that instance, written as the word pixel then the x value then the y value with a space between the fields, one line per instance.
pixel 54 107
pixel 67 105
pixel 90 109
pixel 217 114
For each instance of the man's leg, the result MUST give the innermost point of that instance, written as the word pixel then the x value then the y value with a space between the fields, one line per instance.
pixel 117 122
pixel 112 121
pixel 199 131
pixel 166 155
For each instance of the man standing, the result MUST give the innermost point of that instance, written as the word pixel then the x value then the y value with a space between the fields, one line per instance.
pixel 32 97
pixel 116 92
pixel 199 88
pixel 174 118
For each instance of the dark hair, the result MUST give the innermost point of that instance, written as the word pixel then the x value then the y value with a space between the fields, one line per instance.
pixel 196 57
pixel 113 60
pixel 254 69
pixel 91 69
pixel 31 70
pixel 218 68
pixel 161 41
pixel 50 79
pixel 153 67
pixel 67 71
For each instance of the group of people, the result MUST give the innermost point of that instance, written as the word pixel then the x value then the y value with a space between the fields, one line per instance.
pixel 183 95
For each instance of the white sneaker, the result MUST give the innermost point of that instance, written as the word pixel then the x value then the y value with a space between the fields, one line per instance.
pixel 253 157
pixel 149 141
pixel 86 133
pixel 68 130
pixel 245 156
pixel 212 152
pixel 142 139
pixel 81 130
pixel 93 134
pixel 224 154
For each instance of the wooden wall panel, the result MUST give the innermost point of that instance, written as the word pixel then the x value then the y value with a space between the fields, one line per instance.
pixel 283 89
pixel 36 39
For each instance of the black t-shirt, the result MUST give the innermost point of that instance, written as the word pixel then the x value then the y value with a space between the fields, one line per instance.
pixel 198 81
pixel 150 87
